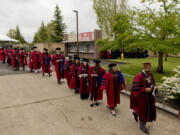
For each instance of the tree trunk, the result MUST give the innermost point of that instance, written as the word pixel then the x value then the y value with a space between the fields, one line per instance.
pixel 166 56
pixel 160 63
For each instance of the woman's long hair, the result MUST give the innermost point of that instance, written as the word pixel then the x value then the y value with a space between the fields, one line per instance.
pixel 110 70
pixel 97 68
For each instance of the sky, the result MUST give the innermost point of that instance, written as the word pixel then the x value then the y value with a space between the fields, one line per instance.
pixel 29 14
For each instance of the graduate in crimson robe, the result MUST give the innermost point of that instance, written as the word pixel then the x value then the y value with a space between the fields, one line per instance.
pixel 36 58
pixel 30 60
pixel 113 83
pixel 0 51
pixel 8 53
pixel 84 75
pixel 75 81
pixel 58 61
pixel 142 100
pixel 102 55
pixel 16 59
pixel 108 54
pixel 97 74
pixel 2 55
pixel 46 62
pixel 23 58
pixel 67 69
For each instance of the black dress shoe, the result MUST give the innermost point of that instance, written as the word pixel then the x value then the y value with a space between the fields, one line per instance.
pixel 97 104
pixel 144 130
pixel 135 116
pixel 59 82
pixel 91 105
pixel 76 91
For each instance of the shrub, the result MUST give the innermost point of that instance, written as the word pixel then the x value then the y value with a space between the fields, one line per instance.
pixel 173 83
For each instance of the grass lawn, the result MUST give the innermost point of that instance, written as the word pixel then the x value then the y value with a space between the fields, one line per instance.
pixel 134 66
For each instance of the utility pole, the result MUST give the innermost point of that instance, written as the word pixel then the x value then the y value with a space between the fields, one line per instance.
pixel 77 26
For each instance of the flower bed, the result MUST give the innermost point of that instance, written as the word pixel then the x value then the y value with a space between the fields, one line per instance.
pixel 170 88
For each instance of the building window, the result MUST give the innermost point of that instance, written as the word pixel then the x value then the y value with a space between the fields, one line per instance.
pixel 91 48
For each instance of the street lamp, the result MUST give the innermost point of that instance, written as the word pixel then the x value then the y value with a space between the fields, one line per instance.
pixel 77 26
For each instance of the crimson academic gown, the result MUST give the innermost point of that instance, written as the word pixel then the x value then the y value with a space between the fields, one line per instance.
pixel 113 83
pixel 102 55
pixel 84 82
pixel 75 82
pixel 109 55
pixel 2 56
pixel 9 53
pixel 46 63
pixel 15 60
pixel 30 61
pixel 59 66
pixel 67 71
pixel 95 83
pixel 36 58
pixel 141 102
pixel 23 59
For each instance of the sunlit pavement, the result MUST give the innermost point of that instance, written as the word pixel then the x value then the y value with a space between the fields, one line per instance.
pixel 34 105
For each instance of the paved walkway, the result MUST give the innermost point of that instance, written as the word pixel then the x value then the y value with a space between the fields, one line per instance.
pixel 34 105
pixel 7 70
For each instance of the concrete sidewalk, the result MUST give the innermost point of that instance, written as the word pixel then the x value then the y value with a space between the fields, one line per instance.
pixel 34 105
pixel 8 70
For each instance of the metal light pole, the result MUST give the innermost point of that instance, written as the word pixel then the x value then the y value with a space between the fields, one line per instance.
pixel 77 23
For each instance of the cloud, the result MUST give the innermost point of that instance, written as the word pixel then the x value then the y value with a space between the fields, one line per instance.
pixel 29 14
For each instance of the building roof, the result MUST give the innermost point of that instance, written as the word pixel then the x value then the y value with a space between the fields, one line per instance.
pixel 76 41
pixel 4 38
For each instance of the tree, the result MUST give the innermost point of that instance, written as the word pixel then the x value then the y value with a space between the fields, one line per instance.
pixel 123 29
pixel 11 33
pixel 18 33
pixel 106 10
pixel 53 32
pixel 36 38
pixel 41 36
pixel 18 36
pixel 42 33
pixel 158 29
pixel 58 26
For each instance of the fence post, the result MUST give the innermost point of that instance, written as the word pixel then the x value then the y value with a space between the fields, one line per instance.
pixel 164 94
pixel 126 83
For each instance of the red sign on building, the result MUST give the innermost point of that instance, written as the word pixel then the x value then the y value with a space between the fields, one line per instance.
pixel 86 36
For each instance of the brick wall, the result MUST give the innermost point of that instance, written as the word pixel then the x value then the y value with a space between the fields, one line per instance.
pixel 97 36
pixel 65 37
pixel 50 46
pixel 83 55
